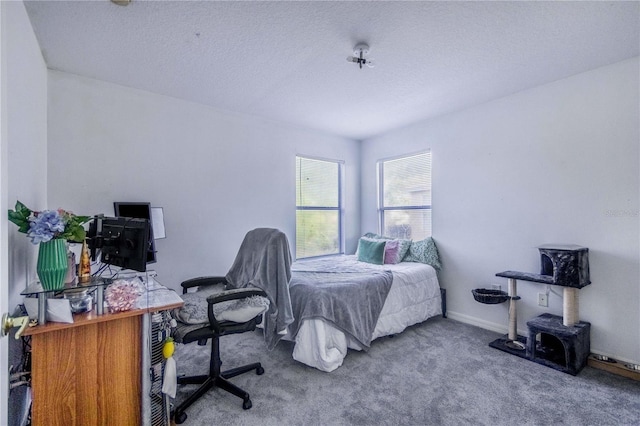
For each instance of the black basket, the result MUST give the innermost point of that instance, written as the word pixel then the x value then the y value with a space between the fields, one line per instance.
pixel 489 296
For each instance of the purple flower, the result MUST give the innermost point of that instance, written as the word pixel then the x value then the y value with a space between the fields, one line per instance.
pixel 45 226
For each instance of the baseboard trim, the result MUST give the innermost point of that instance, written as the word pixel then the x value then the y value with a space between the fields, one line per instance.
pixel 503 329
pixel 615 366
pixel 487 325
pixel 618 358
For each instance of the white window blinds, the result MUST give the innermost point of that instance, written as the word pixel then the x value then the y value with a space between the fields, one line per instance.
pixel 404 186
pixel 318 207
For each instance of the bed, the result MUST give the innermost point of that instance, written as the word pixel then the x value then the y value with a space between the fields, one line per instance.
pixel 413 296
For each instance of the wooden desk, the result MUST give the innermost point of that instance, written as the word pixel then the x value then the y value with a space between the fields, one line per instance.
pixel 90 372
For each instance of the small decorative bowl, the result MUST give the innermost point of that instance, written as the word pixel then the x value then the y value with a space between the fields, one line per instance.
pixel 79 300
pixel 489 296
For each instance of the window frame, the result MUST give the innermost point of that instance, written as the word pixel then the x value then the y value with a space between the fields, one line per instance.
pixel 380 180
pixel 339 208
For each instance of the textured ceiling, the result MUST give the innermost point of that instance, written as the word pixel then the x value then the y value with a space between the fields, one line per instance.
pixel 286 61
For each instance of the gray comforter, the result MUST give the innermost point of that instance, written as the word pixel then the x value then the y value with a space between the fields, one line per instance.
pixel 349 298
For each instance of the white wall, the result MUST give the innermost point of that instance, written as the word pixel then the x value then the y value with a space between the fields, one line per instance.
pixel 26 108
pixel 23 172
pixel 216 174
pixel 557 163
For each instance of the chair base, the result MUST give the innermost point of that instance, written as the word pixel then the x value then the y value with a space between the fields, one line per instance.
pixel 207 382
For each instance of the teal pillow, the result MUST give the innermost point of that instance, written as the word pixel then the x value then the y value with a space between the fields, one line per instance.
pixel 404 244
pixel 371 251
pixel 424 251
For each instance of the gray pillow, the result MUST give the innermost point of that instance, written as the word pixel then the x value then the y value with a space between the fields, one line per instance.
pixel 195 307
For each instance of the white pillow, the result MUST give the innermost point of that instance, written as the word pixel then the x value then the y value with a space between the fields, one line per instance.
pixel 244 313
pixel 194 310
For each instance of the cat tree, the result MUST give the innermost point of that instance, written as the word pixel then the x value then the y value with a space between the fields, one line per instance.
pixel 563 342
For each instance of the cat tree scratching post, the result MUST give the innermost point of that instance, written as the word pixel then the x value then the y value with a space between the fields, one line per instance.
pixel 570 306
pixel 563 342
pixel 513 313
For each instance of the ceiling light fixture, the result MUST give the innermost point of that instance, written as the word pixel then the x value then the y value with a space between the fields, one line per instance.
pixel 121 2
pixel 359 51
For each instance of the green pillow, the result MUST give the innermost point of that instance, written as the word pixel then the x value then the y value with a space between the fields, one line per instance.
pixel 424 251
pixel 404 244
pixel 371 251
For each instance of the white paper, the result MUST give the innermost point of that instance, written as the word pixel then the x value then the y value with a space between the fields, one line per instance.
pixel 157 223
pixel 170 380
pixel 58 310
pixel 31 305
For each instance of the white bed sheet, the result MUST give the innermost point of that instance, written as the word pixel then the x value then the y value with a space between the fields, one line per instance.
pixel 413 298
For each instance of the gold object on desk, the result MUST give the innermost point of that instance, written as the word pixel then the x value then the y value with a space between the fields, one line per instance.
pixel 84 271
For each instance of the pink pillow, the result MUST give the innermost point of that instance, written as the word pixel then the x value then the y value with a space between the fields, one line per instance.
pixel 392 252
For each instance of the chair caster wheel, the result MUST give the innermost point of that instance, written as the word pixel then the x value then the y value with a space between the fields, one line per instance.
pixel 246 404
pixel 180 418
pixel 259 371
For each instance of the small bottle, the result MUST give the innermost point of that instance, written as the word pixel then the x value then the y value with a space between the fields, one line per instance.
pixel 72 274
pixel 84 270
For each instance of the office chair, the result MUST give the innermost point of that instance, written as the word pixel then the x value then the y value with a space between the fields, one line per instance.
pixel 234 304
pixel 188 333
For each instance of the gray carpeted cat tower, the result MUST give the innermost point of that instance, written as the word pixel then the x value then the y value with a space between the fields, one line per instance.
pixel 562 343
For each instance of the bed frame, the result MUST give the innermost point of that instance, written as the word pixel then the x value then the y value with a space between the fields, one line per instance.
pixel 443 293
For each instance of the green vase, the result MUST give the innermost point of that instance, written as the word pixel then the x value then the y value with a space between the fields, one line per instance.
pixel 52 264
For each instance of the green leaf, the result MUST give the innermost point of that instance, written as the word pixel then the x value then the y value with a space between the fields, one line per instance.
pixel 77 234
pixel 16 217
pixel 83 219
pixel 23 209
pixel 20 217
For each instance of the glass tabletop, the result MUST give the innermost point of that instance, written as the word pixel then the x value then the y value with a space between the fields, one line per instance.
pixel 36 288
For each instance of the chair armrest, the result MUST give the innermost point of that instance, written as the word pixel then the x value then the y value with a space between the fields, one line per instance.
pixel 196 282
pixel 233 294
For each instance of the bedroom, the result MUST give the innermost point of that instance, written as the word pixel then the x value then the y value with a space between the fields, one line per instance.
pixel 498 166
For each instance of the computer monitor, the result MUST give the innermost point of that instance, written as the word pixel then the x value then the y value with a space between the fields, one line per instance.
pixel 122 241
pixel 141 210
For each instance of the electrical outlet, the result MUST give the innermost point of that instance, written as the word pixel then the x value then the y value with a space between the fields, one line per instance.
pixel 543 299
pixel 496 287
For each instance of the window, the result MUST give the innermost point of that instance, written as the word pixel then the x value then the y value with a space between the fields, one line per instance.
pixel 318 207
pixel 404 188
